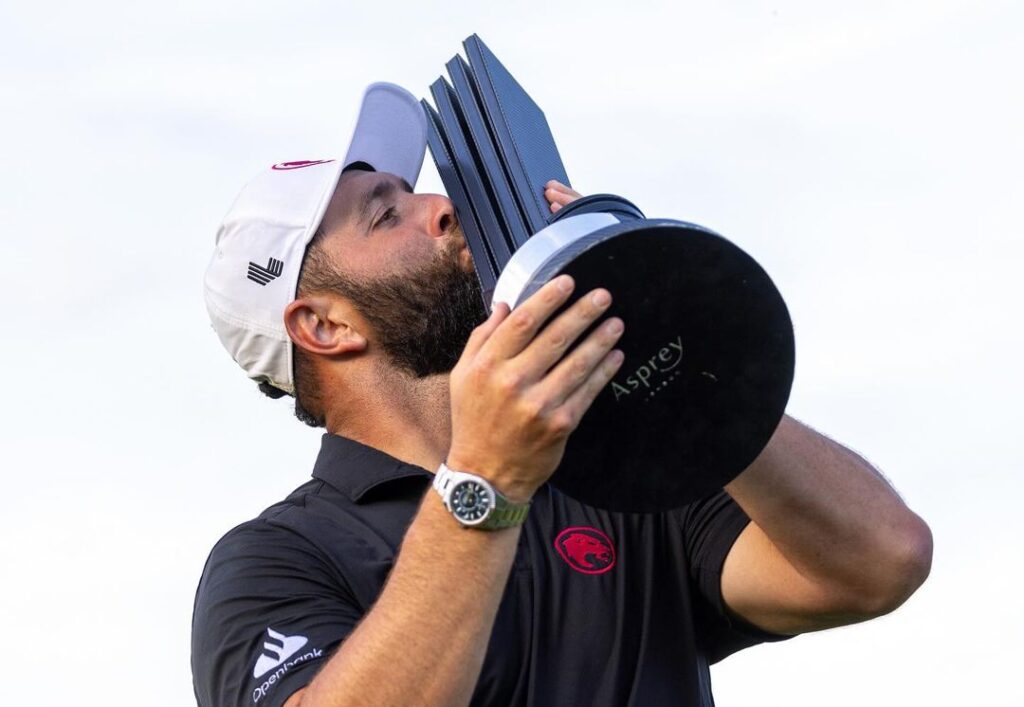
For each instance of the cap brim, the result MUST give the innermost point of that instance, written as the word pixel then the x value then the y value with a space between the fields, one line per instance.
pixel 390 133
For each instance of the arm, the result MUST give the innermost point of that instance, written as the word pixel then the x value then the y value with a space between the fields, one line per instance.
pixel 425 638
pixel 831 543
pixel 514 404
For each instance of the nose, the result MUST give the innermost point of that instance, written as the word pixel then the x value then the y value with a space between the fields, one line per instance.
pixel 440 214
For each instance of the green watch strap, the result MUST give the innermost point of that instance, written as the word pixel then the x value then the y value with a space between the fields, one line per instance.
pixel 507 515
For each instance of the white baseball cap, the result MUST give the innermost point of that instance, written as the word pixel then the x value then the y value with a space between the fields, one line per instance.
pixel 262 240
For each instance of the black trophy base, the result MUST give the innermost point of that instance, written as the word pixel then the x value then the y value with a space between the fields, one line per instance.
pixel 709 360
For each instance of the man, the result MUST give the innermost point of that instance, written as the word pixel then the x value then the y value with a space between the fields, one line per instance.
pixel 332 281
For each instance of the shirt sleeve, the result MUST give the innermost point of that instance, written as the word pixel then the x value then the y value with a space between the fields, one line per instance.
pixel 269 611
pixel 710 528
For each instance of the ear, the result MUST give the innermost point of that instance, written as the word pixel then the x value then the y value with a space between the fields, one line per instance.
pixel 322 325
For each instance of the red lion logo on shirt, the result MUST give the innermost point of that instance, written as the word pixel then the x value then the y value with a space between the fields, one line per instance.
pixel 586 550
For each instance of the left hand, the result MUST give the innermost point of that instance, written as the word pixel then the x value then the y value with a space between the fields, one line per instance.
pixel 559 195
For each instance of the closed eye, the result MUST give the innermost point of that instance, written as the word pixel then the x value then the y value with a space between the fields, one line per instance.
pixel 390 214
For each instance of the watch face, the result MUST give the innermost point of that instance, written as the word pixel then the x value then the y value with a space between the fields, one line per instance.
pixel 471 501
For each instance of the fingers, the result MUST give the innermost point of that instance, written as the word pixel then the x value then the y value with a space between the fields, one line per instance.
pixel 552 343
pixel 559 195
pixel 517 330
pixel 557 187
pixel 534 361
pixel 583 397
pixel 576 369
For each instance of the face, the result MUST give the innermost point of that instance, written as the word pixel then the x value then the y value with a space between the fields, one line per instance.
pixel 403 263
pixel 378 226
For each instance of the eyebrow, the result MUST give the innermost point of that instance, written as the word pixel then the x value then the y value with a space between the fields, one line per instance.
pixel 384 188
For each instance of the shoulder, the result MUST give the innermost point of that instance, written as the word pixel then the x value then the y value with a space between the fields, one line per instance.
pixel 269 586
pixel 279 524
pixel 284 542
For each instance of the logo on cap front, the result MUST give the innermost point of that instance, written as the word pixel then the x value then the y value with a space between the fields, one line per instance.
pixel 299 164
pixel 586 550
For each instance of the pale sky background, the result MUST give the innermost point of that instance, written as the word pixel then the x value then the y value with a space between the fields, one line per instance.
pixel 868 154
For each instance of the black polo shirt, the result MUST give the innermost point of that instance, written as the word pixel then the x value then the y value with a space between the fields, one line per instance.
pixel 601 608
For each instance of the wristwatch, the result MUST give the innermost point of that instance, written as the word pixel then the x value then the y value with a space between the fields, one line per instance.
pixel 475 503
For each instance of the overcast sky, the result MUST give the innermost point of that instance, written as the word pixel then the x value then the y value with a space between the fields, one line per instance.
pixel 869 155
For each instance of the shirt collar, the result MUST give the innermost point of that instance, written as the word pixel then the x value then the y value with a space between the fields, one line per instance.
pixel 355 469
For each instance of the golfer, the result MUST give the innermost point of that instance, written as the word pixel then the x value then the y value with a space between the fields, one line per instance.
pixel 427 561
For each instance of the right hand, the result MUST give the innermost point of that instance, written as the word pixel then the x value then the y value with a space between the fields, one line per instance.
pixel 515 399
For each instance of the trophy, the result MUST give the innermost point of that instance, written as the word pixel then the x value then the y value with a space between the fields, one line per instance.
pixel 709 350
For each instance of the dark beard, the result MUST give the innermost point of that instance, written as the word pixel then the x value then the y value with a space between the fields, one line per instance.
pixel 422 320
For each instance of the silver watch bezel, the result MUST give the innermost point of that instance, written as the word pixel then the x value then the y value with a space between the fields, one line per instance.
pixel 492 502
pixel 446 480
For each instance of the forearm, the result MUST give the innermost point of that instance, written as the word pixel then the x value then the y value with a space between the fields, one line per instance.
pixel 425 638
pixel 835 519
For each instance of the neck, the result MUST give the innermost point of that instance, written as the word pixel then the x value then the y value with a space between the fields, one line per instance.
pixel 407 418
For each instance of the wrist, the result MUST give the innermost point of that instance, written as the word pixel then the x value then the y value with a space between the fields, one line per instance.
pixel 504 480
pixel 475 502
